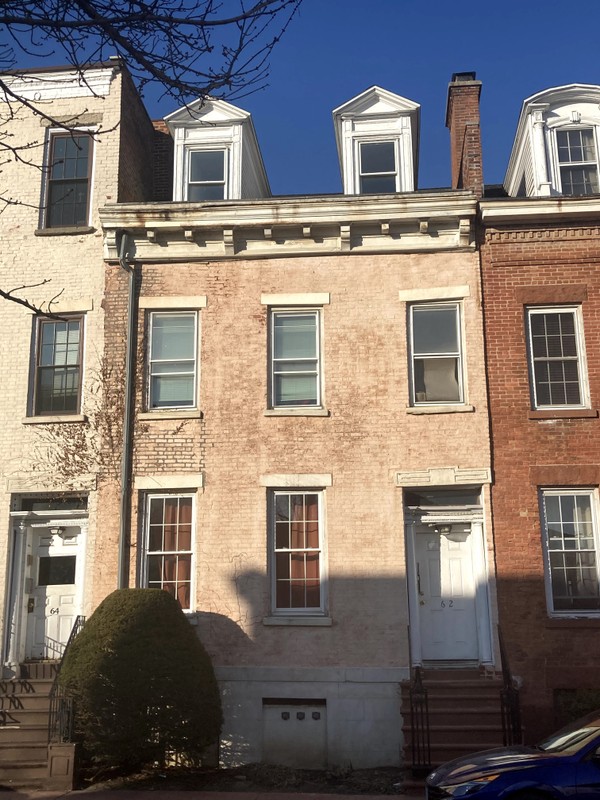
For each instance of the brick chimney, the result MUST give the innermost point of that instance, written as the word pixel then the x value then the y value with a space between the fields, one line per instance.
pixel 462 118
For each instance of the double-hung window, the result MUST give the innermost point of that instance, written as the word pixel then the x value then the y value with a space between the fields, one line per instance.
pixel 58 365
pixel 295 358
pixel 297 552
pixel 378 168
pixel 168 546
pixel 436 353
pixel 173 343
pixel 571 544
pixel 68 180
pixel 578 161
pixel 207 175
pixel 556 358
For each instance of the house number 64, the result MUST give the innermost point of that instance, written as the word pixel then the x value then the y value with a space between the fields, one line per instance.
pixel 54 610
pixel 450 603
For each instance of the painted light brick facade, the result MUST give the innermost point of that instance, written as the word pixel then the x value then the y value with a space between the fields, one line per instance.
pixel 42 455
pixel 355 654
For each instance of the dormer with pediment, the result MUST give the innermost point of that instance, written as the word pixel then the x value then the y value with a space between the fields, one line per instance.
pixel 377 136
pixel 556 147
pixel 217 156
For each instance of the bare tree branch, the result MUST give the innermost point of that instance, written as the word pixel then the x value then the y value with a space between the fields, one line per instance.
pixel 190 48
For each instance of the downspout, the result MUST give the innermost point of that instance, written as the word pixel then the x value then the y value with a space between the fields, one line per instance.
pixel 125 507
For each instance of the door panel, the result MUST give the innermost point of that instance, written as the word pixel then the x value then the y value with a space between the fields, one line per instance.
pixel 53 599
pixel 446 589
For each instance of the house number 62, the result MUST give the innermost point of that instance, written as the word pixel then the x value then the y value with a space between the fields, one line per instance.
pixel 450 603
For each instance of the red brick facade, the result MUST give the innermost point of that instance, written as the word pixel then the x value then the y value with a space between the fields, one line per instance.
pixel 538 263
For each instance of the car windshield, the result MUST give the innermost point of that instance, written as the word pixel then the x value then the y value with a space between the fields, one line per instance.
pixel 574 736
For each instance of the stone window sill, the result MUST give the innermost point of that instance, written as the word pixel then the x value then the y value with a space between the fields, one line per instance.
pixel 440 409
pixel 577 622
pixel 321 622
pixel 64 231
pixel 191 414
pixel 297 412
pixel 53 420
pixel 564 413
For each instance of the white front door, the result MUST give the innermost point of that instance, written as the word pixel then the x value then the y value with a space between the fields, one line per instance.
pixel 53 604
pixel 446 596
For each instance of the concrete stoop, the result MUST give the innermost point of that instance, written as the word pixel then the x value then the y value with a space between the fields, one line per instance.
pixel 26 759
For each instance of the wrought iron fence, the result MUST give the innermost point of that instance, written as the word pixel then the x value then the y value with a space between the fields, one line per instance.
pixel 60 719
pixel 419 720
pixel 509 700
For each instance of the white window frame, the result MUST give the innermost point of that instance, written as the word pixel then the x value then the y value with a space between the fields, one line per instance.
pixel 558 164
pixel 211 147
pixel 150 361
pixel 358 160
pixel 273 551
pixel 144 570
pixel 296 311
pixel 575 310
pixel 592 494
pixel 459 355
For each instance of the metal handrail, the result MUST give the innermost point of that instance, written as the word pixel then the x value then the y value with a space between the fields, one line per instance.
pixel 509 700
pixel 419 720
pixel 60 718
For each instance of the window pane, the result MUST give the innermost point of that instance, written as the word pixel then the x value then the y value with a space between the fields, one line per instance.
pixel 173 336
pixel 207 165
pixel 199 192
pixel 377 157
pixel 295 390
pixel 377 184
pixel 435 330
pixel 174 390
pixel 436 380
pixel 295 336
pixel 56 570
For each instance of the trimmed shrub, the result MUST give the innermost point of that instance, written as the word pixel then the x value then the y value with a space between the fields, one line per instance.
pixel 143 685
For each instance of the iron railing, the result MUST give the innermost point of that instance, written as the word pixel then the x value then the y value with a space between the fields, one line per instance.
pixel 419 721
pixel 60 718
pixel 509 700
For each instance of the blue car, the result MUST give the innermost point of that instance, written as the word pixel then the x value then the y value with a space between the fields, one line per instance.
pixel 565 765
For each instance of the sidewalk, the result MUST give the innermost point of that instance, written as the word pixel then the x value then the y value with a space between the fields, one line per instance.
pixel 158 794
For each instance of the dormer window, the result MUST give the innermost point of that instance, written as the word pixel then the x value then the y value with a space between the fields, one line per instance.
pixel 377 135
pixel 578 161
pixel 207 179
pixel 555 151
pixel 216 154
pixel 378 169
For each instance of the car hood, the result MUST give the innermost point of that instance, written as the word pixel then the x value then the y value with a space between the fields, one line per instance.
pixel 483 763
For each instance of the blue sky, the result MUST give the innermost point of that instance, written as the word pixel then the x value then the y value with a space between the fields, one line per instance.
pixel 337 48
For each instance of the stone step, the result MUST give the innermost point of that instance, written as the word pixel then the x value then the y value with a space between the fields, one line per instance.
pixel 39 669
pixel 23 716
pixel 34 734
pixel 27 752
pixel 12 702
pixel 24 773
pixel 19 686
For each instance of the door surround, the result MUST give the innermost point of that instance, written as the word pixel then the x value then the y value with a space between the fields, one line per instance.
pixel 26 529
